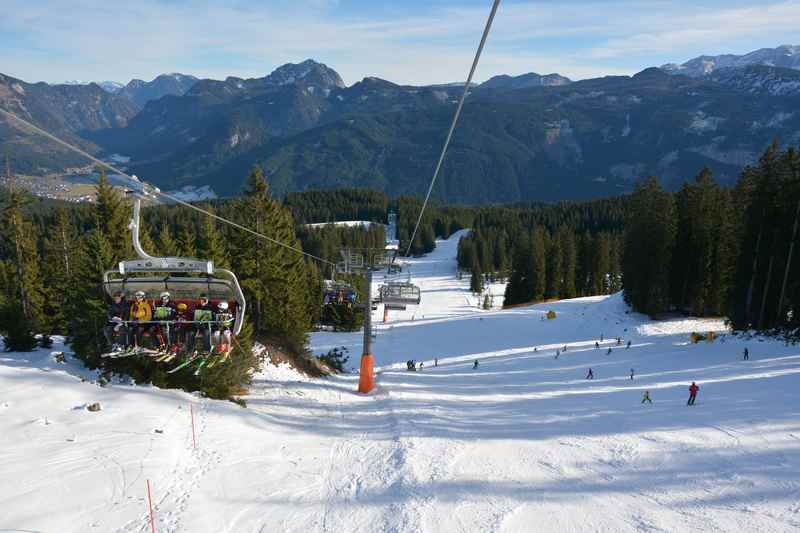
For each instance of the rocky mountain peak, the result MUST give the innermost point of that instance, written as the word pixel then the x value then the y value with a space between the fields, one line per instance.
pixel 308 72
pixel 523 81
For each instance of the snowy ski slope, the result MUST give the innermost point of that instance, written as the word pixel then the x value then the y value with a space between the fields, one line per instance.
pixel 522 443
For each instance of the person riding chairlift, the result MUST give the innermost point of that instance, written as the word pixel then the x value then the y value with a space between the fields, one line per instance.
pixel 203 314
pixel 116 328
pixel 140 311
pixel 222 334
pixel 164 311
pixel 180 327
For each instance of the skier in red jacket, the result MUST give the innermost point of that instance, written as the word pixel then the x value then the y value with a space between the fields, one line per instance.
pixel 692 393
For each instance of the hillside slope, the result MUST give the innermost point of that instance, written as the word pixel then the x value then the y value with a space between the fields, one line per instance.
pixel 521 443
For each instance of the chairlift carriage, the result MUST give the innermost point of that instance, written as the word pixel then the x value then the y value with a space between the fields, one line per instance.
pixel 338 292
pixel 186 279
pixel 399 294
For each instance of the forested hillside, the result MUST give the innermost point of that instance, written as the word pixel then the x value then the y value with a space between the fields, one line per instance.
pixel 708 250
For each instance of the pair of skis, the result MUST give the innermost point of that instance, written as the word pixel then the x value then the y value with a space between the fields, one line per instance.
pixel 131 351
pixel 203 361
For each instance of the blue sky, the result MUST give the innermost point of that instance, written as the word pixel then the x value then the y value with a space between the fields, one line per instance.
pixel 405 41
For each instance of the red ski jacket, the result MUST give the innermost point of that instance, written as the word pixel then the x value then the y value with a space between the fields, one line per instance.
pixel 693 389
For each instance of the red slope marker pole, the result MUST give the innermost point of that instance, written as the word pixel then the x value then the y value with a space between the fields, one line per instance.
pixel 150 503
pixel 194 438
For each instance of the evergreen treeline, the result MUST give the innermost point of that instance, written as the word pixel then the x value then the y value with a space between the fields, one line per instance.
pixel 707 250
pixel 327 242
pixel 546 251
pixel 316 205
pixel 437 221
pixel 53 260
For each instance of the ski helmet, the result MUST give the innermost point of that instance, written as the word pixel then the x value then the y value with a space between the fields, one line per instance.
pixel 182 307
pixel 204 296
pixel 223 306
pixel 165 294
pixel 140 294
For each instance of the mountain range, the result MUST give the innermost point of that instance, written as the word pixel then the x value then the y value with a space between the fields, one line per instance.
pixel 528 137
pixel 784 56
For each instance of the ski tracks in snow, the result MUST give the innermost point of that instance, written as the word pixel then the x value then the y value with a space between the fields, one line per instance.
pixel 171 494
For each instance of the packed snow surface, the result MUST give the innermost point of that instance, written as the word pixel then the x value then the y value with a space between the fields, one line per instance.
pixel 521 443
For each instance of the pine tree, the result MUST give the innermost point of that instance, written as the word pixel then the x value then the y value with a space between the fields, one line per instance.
pixel 111 215
pixel 649 242
pixel 701 262
pixel 539 262
pixel 85 305
pixel 186 242
pixel 568 262
pixel 601 264
pixel 273 276
pixel 166 245
pixel 520 283
pixel 555 273
pixel 211 245
pixel 18 335
pixel 58 267
pixel 19 239
pixel 476 279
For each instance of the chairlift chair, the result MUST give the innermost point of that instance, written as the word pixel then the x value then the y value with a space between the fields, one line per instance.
pixel 399 293
pixel 184 278
pixel 338 292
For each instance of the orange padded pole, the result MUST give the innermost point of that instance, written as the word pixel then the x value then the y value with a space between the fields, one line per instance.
pixel 366 378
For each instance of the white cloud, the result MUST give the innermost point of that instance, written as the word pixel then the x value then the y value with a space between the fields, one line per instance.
pixel 95 39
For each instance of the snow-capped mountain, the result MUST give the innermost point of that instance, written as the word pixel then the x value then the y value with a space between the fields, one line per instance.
pixel 112 87
pixel 786 56
pixel 524 81
pixel 760 79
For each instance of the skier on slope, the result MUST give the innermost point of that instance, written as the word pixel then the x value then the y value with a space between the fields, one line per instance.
pixel 629 345
pixel 590 375
pixel 631 373
pixel 116 314
pixel 608 352
pixel 475 364
pixel 596 345
pixel 646 397
pixel 746 354
pixel 692 393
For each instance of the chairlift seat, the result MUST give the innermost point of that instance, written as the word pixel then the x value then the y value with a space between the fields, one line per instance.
pixel 400 293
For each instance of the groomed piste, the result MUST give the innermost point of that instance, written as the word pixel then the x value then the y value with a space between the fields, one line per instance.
pixel 524 442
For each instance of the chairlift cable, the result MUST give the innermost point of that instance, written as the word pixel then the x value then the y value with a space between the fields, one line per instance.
pixel 150 189
pixel 455 120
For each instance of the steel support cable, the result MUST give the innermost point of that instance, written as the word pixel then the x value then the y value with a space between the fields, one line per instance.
pixel 150 189
pixel 455 120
